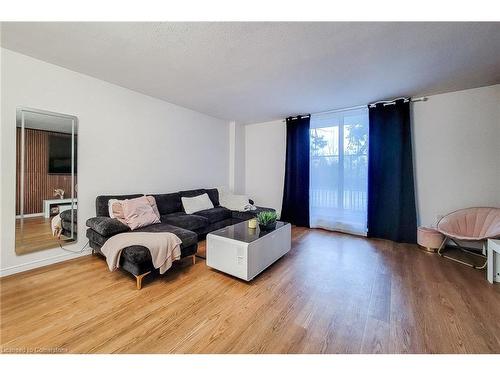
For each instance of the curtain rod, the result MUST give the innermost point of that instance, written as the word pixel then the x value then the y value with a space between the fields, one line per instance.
pixel 386 102
pixel 296 117
pixel 393 101
pixel 341 109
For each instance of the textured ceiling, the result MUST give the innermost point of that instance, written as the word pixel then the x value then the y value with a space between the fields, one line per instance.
pixel 252 72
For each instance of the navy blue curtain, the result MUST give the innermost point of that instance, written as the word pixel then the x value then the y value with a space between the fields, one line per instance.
pixel 391 193
pixel 295 209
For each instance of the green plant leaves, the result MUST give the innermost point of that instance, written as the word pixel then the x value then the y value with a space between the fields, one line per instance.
pixel 267 217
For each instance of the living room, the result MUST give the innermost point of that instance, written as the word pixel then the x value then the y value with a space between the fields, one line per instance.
pixel 250 187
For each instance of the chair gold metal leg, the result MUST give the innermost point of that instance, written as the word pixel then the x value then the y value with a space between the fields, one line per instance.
pixel 483 266
pixel 441 247
pixel 485 254
pixel 441 253
pixel 139 278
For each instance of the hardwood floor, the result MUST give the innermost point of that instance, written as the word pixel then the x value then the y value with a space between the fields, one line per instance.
pixel 36 234
pixel 331 293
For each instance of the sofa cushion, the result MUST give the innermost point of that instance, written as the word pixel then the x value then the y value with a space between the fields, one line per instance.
pixel 187 237
pixel 243 215
pixel 101 202
pixel 106 226
pixel 215 214
pixel 66 215
pixel 214 226
pixel 96 238
pixel 66 225
pixel 183 220
pixel 168 203
pixel 247 215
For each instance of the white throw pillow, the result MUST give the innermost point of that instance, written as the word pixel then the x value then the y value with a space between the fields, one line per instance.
pixel 110 208
pixel 195 204
pixel 234 202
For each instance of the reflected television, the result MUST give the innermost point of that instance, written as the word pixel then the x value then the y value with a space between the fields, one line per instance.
pixel 60 154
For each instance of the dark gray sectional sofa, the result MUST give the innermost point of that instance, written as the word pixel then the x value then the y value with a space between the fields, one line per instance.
pixel 189 228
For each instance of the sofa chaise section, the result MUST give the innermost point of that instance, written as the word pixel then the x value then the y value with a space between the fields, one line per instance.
pixel 134 259
pixel 137 259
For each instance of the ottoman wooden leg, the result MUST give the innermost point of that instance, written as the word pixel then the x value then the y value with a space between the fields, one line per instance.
pixel 139 278
pixel 194 259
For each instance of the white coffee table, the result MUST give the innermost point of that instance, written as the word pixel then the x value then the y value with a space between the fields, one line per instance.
pixel 243 252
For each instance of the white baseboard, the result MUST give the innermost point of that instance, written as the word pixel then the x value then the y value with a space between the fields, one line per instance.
pixel 40 263
pixel 30 215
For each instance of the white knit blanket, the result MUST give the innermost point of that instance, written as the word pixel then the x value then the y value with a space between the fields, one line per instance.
pixel 164 248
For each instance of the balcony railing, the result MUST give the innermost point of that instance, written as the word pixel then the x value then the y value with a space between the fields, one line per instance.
pixel 350 194
pixel 327 198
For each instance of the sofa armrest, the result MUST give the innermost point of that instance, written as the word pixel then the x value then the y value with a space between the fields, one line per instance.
pixel 66 215
pixel 106 226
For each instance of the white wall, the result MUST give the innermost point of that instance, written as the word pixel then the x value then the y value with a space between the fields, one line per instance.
pixel 128 142
pixel 456 154
pixel 236 158
pixel 265 148
pixel 456 140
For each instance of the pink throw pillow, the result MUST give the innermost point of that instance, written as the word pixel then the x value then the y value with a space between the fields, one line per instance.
pixel 152 202
pixel 116 210
pixel 139 213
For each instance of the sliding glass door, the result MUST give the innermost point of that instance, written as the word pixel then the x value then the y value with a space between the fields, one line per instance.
pixel 339 171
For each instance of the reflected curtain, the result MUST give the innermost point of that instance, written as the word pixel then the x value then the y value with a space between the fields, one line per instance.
pixel 391 195
pixel 295 207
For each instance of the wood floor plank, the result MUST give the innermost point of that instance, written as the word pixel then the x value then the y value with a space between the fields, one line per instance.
pixel 332 293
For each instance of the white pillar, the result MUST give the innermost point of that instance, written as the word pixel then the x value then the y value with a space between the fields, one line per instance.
pixel 236 157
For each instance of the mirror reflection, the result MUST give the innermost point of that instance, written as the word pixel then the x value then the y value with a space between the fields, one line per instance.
pixel 46 183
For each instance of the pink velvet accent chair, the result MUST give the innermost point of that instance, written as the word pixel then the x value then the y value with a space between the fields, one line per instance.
pixel 470 224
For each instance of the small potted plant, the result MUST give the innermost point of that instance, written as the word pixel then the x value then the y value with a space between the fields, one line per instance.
pixel 267 220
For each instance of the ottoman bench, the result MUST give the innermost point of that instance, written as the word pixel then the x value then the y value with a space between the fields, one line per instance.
pixel 429 239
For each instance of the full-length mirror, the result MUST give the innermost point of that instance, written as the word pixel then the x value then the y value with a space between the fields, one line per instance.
pixel 46 180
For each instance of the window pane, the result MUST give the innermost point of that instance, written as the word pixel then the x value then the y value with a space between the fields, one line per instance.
pixel 339 180
pixel 325 141
pixel 356 135
pixel 324 174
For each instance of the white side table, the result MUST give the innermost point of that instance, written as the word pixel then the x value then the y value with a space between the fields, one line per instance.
pixel 67 207
pixel 48 202
pixel 493 270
